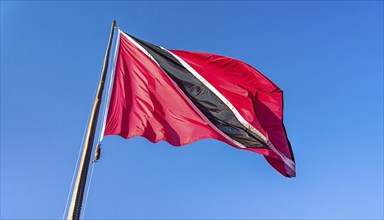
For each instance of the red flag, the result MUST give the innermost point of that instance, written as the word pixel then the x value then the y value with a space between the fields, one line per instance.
pixel 181 97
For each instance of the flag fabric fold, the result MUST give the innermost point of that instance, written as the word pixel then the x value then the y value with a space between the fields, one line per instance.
pixel 182 97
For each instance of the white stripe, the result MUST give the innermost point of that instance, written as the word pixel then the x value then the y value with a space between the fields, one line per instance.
pixel 111 79
pixel 182 93
pixel 239 117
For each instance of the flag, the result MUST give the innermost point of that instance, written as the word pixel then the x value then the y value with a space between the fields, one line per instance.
pixel 182 97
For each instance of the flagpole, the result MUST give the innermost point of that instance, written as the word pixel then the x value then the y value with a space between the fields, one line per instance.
pixel 78 191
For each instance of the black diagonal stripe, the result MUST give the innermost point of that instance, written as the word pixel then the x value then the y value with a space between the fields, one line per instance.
pixel 205 100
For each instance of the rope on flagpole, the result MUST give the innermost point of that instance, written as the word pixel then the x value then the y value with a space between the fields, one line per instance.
pixel 74 212
pixel 101 133
pixel 77 162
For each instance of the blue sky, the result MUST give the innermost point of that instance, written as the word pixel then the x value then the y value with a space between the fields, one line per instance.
pixel 327 57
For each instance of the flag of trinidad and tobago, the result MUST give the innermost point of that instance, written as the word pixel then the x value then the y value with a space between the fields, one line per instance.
pixel 181 97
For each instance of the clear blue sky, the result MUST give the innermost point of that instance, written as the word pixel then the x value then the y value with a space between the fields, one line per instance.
pixel 327 57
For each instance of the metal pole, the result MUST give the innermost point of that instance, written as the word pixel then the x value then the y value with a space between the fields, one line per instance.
pixel 78 191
